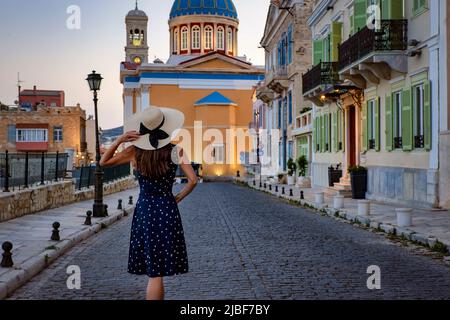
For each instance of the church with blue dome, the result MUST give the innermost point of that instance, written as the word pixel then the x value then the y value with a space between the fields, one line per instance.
pixel 204 77
pixel 224 8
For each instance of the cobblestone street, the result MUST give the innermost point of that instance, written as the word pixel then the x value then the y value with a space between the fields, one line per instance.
pixel 243 244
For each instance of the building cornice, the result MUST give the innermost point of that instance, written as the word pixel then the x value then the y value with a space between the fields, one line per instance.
pixel 319 11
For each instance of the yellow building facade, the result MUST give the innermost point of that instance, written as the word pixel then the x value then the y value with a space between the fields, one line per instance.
pixel 204 78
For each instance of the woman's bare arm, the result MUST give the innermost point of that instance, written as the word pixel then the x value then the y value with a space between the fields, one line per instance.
pixel 191 176
pixel 110 158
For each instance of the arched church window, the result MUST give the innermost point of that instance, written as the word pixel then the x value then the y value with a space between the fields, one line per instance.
pixel 230 40
pixel 220 38
pixel 196 37
pixel 137 38
pixel 208 37
pixel 184 38
pixel 175 40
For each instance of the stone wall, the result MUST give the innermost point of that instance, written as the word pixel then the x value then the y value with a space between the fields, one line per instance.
pixel 406 186
pixel 36 199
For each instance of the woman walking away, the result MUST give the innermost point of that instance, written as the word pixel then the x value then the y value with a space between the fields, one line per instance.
pixel 157 244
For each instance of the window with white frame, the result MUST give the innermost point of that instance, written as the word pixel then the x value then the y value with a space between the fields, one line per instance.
pixel 208 37
pixel 32 135
pixel 220 38
pixel 230 40
pixel 418 109
pixel 184 38
pixel 58 134
pixel 219 153
pixel 196 37
pixel 397 110
pixel 175 40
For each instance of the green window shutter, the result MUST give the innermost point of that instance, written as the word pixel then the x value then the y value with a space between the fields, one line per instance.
pixel 317 50
pixel 377 124
pixel 352 24
pixel 392 9
pixel 336 39
pixel 335 131
pixel 360 15
pixel 427 115
pixel 389 123
pixel 369 122
pixel 342 128
pixel 407 121
pixel 322 133
pixel 364 126
pixel 314 134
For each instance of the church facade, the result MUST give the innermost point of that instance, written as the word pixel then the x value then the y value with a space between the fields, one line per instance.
pixel 204 78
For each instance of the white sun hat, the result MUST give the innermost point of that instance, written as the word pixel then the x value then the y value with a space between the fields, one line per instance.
pixel 157 126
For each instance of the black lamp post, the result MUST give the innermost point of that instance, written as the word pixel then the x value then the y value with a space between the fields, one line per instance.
pixel 95 80
pixel 258 142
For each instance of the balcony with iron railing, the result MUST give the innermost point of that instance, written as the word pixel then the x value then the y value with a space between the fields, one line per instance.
pixel 372 54
pixel 323 74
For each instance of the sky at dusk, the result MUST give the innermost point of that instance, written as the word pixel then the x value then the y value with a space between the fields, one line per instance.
pixel 35 41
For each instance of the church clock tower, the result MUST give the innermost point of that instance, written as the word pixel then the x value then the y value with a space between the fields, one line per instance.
pixel 137 48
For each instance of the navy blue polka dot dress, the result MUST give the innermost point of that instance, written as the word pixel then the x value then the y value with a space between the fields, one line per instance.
pixel 157 245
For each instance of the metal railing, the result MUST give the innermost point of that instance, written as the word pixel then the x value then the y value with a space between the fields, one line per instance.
pixel 324 73
pixel 392 35
pixel 22 170
pixel 85 176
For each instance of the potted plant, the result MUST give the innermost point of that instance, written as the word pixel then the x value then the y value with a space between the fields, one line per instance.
pixel 292 167
pixel 303 180
pixel 334 175
pixel 281 178
pixel 358 176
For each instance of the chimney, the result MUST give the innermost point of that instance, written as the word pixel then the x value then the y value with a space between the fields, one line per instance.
pixel 34 89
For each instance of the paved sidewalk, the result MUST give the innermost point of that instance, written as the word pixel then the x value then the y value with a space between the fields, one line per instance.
pixel 30 235
pixel 429 226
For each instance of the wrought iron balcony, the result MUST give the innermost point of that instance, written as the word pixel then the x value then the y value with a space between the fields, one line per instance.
pixel 392 36
pixel 324 73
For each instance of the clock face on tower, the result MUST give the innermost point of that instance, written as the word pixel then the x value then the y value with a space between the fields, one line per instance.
pixel 137 60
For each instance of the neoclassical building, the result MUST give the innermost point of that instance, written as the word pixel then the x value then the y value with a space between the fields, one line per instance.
pixel 204 77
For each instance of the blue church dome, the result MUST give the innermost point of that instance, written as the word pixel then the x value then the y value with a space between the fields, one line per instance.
pixel 224 8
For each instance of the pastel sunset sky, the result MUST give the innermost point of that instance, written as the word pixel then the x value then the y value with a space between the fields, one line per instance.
pixel 36 42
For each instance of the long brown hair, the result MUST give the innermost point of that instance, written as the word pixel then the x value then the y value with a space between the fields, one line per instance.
pixel 154 163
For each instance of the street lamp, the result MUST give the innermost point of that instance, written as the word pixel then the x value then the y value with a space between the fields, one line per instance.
pixel 94 80
pixel 258 142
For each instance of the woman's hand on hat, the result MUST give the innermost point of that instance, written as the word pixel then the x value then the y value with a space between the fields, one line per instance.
pixel 129 136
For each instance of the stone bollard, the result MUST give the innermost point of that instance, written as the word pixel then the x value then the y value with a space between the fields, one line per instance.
pixel 302 195
pixel 119 206
pixel 88 221
pixel 404 217
pixel 260 184
pixel 55 232
pixel 276 189
pixel 265 186
pixel 125 213
pixel 238 174
pixel 254 183
pixel 291 193
pixel 7 261
pixel 283 191
pixel 364 208
pixel 338 202
pixel 270 187
pixel 130 202
pixel 105 210
pixel 320 198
